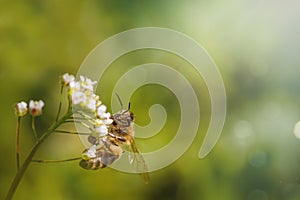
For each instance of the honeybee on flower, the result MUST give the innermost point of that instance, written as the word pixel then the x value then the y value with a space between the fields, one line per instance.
pixel 108 134
pixel 108 147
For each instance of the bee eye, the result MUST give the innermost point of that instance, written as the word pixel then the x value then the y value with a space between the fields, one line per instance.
pixel 131 116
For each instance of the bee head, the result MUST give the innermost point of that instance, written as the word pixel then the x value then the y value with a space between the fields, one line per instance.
pixel 123 114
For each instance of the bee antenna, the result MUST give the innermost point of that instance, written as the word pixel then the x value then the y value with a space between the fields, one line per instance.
pixel 119 99
pixel 128 106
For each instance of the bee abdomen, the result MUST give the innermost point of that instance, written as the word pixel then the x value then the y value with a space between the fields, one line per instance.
pixel 92 164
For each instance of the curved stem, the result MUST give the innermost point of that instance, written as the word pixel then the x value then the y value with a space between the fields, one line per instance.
pixel 56 161
pixel 86 117
pixel 23 168
pixel 18 143
pixel 71 132
pixel 81 123
pixel 78 122
pixel 60 102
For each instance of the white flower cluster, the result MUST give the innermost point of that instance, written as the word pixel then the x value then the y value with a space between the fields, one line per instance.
pixel 35 108
pixel 83 101
pixel 103 120
pixel 81 94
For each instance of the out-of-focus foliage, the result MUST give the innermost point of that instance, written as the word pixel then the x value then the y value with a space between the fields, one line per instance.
pixel 256 47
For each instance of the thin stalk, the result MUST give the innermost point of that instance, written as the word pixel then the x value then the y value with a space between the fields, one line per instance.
pixel 70 121
pixel 60 102
pixel 79 122
pixel 77 118
pixel 56 161
pixel 33 128
pixel 87 117
pixel 18 143
pixel 71 132
pixel 19 175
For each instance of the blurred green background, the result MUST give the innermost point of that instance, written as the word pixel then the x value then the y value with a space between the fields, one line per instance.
pixel 254 43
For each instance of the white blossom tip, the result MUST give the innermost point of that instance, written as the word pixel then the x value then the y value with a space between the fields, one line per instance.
pixel 21 108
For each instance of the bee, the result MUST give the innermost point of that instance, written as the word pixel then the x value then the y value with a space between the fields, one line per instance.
pixel 120 134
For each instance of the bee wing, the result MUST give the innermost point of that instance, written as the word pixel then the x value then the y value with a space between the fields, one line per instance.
pixel 105 155
pixel 139 161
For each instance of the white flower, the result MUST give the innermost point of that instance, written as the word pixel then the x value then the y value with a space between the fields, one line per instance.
pixel 81 93
pixel 102 130
pixel 78 97
pixel 87 83
pixel 35 107
pixel 21 109
pixel 107 121
pixel 91 152
pixel 106 115
pixel 91 104
pixel 102 114
pixel 101 111
pixel 67 79
pixel 75 86
pixel 100 127
pixel 106 118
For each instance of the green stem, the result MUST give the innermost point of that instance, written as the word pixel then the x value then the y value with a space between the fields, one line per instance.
pixel 18 143
pixel 79 122
pixel 60 102
pixel 71 132
pixel 56 161
pixel 33 128
pixel 23 168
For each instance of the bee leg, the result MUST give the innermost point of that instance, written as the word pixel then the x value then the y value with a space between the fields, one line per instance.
pixel 121 139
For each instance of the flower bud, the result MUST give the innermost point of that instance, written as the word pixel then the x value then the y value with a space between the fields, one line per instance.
pixel 35 107
pixel 21 109
pixel 67 79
